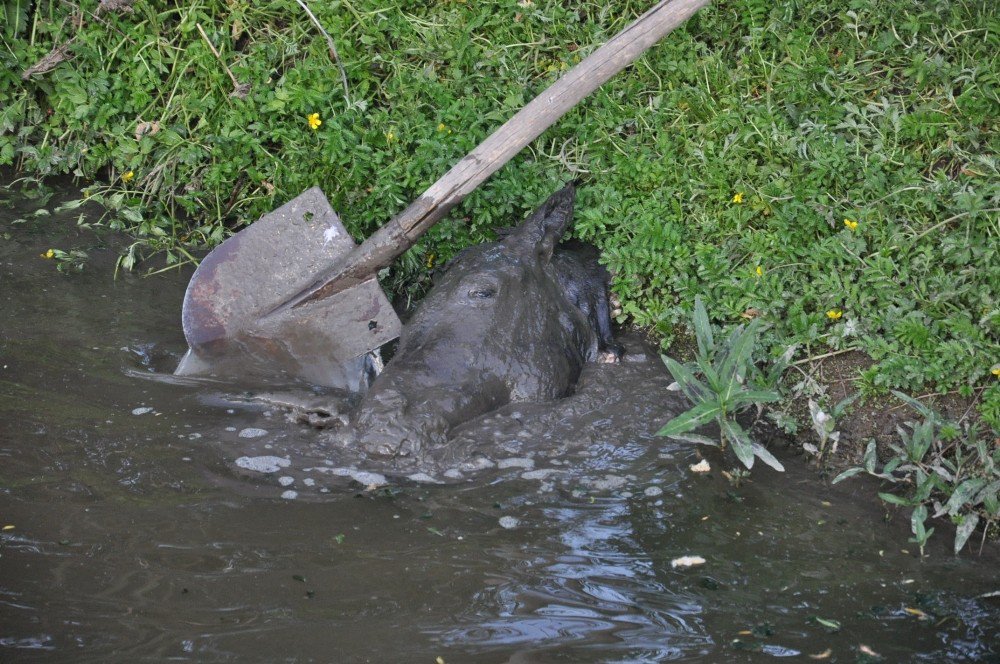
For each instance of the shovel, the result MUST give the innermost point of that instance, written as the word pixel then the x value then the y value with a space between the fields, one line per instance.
pixel 292 296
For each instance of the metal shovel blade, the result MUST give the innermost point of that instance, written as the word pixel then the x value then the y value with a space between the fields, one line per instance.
pixel 260 268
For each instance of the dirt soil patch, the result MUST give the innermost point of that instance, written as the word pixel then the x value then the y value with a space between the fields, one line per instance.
pixel 869 417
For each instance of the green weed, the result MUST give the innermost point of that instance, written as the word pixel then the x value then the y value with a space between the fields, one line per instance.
pixel 716 383
pixel 825 425
pixel 941 466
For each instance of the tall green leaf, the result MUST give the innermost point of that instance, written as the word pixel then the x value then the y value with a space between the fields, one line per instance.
pixel 764 455
pixel 753 396
pixel 711 375
pixel 702 329
pixel 740 346
pixel 965 529
pixel 963 493
pixel 701 414
pixel 850 472
pixel 695 390
pixel 894 499
pixel 916 405
pixel 742 446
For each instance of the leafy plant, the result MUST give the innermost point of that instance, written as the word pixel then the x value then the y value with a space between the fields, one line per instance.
pixel 825 425
pixel 67 261
pixel 715 384
pixel 940 466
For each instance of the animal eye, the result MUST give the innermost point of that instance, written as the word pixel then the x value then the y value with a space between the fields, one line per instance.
pixel 483 291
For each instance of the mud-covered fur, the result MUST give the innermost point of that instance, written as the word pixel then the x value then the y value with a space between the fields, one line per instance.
pixel 586 282
pixel 506 321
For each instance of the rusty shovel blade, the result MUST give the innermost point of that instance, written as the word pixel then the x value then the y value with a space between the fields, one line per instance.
pixel 228 312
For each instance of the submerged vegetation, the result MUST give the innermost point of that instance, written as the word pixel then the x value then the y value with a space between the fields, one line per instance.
pixel 827 167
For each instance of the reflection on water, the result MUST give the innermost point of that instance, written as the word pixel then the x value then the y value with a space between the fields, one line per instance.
pixel 137 536
pixel 599 598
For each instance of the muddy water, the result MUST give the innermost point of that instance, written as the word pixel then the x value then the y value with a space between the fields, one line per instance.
pixel 157 519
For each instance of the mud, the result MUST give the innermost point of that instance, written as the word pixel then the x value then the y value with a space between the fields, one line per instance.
pixel 501 324
pixel 614 410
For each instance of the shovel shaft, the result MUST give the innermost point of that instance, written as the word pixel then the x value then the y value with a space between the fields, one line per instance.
pixel 402 231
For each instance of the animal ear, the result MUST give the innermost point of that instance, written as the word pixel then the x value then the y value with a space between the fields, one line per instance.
pixel 541 231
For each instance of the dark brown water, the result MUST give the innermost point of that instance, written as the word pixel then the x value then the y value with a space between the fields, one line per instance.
pixel 142 531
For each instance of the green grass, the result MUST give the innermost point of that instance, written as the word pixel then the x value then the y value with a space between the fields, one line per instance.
pixel 883 113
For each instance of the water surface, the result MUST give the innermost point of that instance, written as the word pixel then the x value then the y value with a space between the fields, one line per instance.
pixel 138 535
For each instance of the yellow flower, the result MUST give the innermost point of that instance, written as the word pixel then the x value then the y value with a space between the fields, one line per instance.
pixel 128 176
pixel 738 197
pixel 49 254
pixel 834 314
pixel 389 136
pixel 430 260
pixel 441 127
pixel 314 121
pixel 995 370
pixel 760 271
pixel 851 225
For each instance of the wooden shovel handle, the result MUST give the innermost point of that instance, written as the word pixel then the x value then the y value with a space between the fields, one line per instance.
pixel 542 112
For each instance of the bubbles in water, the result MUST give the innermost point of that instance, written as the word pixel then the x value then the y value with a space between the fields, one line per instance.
pixel 541 473
pixel 509 522
pixel 606 483
pixel 263 464
pixel 423 478
pixel 517 462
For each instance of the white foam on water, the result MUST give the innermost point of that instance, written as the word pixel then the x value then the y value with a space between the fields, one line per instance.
pixel 359 476
pixel 263 464
pixel 540 474
pixel 516 462
pixel 423 478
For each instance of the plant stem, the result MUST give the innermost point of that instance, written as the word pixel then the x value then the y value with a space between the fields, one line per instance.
pixel 334 55
pixel 823 356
